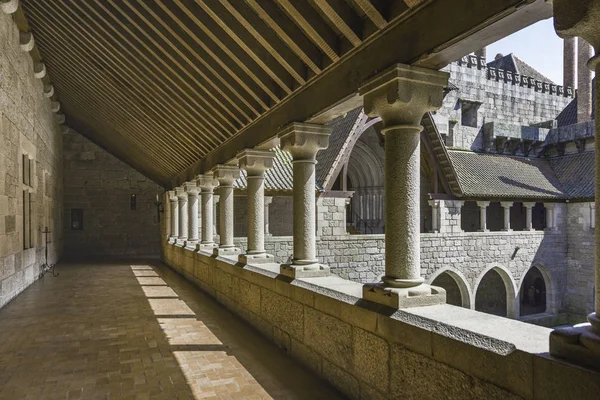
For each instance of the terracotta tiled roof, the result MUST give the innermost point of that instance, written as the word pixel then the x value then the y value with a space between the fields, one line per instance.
pixel 576 174
pixel 341 127
pixel 493 175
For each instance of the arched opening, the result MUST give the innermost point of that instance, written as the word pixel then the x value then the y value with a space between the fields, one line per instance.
pixel 534 294
pixel 491 296
pixel 457 291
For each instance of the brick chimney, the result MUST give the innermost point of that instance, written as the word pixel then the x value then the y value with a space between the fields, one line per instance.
pixel 584 81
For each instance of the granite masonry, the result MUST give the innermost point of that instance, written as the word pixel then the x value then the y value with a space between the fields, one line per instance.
pixel 31 173
pixel 103 189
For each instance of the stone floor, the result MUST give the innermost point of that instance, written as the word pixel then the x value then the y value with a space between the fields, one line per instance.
pixel 120 331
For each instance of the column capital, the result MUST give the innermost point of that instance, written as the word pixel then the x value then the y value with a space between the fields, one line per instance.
pixel 226 174
pixel 303 141
pixel 578 18
pixel 255 162
pixel 216 198
pixel 180 192
pixel 9 6
pixel 484 204
pixel 434 203
pixel 507 204
pixel 529 204
pixel 550 205
pixel 593 206
pixel 402 94
pixel 268 200
pixel 172 196
pixel 207 181
pixel 191 187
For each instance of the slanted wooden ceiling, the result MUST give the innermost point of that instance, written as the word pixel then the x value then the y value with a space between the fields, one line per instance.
pixel 173 87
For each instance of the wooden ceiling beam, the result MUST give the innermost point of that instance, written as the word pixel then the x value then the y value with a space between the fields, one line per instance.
pixel 312 26
pixel 217 130
pixel 292 37
pixel 251 49
pixel 185 142
pixel 107 95
pixel 336 12
pixel 224 83
pixel 264 84
pixel 270 42
pixel 151 89
pixel 371 12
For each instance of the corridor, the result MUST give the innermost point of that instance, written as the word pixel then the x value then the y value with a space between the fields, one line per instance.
pixel 120 331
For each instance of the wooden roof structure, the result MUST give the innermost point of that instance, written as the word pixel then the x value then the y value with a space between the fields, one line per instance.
pixel 175 87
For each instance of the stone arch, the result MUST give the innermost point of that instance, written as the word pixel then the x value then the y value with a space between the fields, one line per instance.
pixel 486 282
pixel 365 173
pixel 550 301
pixel 466 296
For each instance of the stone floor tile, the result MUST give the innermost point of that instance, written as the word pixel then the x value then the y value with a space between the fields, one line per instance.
pixel 120 331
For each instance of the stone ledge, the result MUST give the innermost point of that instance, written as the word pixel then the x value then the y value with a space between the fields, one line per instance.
pixel 500 357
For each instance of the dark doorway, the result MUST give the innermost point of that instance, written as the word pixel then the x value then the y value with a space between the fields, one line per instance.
pixel 533 293
pixel 491 295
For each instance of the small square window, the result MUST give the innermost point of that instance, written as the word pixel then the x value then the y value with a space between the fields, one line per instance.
pixel 76 219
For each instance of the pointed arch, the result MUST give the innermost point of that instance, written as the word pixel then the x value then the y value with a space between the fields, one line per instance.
pixel 510 288
pixel 461 281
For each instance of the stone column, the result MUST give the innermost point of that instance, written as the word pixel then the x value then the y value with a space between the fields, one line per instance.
pixel 584 82
pixel 592 215
pixel 483 205
pixel 174 217
pixel 256 163
pixel 529 216
pixel 506 205
pixel 582 344
pixel 303 141
pixel 550 223
pixel 207 184
pixel 226 175
pixel 182 198
pixel 570 62
pixel 401 95
pixel 216 199
pixel 192 192
pixel 268 201
pixel 435 215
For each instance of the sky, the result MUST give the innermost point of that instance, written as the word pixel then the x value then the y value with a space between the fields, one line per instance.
pixel 537 45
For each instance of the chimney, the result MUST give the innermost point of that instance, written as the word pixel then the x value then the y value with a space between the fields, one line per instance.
pixel 570 62
pixel 584 81
pixel 482 52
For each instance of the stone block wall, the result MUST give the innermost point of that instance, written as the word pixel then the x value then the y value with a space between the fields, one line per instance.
pixel 368 353
pixel 27 127
pixel 331 216
pixel 579 295
pixel 101 185
pixel 501 101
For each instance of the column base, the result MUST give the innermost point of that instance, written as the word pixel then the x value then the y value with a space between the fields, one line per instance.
pixel 226 251
pixel 304 271
pixel 180 242
pixel 507 230
pixel 416 296
pixel 171 240
pixel 262 258
pixel 207 247
pixel 191 245
pixel 483 230
pixel 579 345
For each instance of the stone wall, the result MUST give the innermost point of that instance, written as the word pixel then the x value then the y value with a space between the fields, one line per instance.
pixel 579 295
pixel 27 127
pixel 467 256
pixel 501 101
pixel 369 353
pixel 101 185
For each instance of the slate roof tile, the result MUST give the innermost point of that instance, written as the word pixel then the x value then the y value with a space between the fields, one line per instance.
pixel 576 174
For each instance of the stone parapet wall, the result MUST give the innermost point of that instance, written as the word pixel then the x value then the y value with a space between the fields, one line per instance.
pixel 367 353
pixel 27 127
